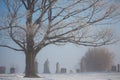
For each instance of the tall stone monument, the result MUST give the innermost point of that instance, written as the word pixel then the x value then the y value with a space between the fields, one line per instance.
pixel 118 67
pixel 57 67
pixel 46 67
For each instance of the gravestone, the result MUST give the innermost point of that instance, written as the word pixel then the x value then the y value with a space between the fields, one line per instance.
pixel 113 68
pixel 118 67
pixel 57 67
pixel 63 70
pixel 77 70
pixel 2 69
pixel 12 70
pixel 46 67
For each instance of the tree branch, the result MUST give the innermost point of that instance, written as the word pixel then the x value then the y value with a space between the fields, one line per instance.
pixel 25 5
pixel 11 48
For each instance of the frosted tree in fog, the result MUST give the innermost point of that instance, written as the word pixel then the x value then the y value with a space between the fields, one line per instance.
pixel 97 59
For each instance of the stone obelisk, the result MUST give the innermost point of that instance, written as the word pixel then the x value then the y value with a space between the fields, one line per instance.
pixel 57 67
pixel 46 67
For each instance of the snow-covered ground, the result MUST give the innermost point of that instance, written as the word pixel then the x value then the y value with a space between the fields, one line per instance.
pixel 81 76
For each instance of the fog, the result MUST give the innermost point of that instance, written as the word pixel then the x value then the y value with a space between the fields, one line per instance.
pixel 68 57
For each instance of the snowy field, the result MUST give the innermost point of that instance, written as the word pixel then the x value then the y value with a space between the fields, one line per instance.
pixel 81 76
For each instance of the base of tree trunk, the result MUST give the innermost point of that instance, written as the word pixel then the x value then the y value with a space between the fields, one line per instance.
pixel 32 76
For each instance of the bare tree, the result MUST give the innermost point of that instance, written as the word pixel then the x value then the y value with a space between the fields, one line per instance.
pixel 97 59
pixel 34 24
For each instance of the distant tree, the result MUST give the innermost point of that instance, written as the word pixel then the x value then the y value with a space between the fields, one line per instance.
pixel 97 59
pixel 34 24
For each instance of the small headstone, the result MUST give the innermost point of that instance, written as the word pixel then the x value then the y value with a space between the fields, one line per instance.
pixel 71 71
pixel 12 70
pixel 2 69
pixel 113 68
pixel 63 70
pixel 77 70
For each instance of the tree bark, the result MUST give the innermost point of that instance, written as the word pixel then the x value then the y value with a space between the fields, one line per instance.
pixel 30 66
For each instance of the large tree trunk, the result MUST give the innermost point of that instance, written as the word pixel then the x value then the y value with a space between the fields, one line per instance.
pixel 30 65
